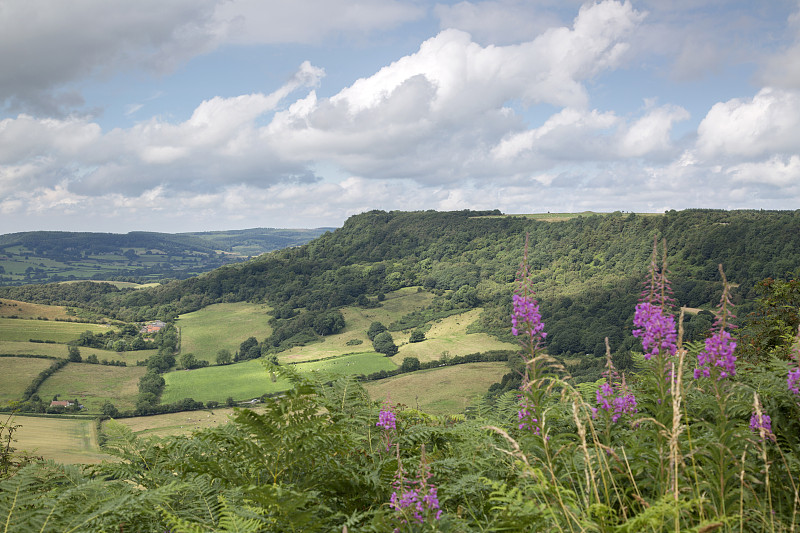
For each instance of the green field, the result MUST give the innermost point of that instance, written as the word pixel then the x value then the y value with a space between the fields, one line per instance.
pixel 176 423
pixel 357 321
pixel 72 441
pixel 60 350
pixel 92 385
pixel 17 309
pixel 219 326
pixel 445 390
pixel 250 379
pixel 449 335
pixel 12 329
pixel 16 373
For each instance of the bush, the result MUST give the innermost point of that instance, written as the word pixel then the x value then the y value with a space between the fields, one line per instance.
pixel 384 343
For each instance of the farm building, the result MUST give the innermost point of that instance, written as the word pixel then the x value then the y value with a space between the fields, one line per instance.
pixel 153 327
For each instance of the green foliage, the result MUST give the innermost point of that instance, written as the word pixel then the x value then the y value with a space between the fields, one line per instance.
pixel 74 354
pixel 374 329
pixel 384 343
pixel 771 329
pixel 417 336
pixel 224 357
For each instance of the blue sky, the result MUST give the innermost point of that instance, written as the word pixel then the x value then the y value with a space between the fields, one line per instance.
pixel 194 115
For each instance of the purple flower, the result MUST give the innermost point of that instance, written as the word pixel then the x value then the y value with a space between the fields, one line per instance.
pixel 616 400
pixel 527 419
pixel 717 356
pixel 526 319
pixel 419 497
pixel 762 426
pixel 656 330
pixel 387 419
pixel 793 380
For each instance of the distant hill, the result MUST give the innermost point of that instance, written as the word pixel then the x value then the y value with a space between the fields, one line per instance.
pixel 587 271
pixel 53 256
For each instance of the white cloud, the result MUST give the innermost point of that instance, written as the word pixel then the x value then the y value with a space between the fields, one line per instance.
pixel 776 171
pixel 651 134
pixel 765 124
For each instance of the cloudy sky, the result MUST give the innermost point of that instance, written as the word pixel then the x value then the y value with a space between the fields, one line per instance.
pixel 188 115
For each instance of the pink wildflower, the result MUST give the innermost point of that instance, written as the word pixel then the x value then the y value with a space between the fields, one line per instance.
pixel 717 355
pixel 763 426
pixel 387 419
pixel 793 380
pixel 526 319
pixel 656 330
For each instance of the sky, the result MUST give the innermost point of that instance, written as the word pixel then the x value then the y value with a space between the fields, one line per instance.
pixel 198 115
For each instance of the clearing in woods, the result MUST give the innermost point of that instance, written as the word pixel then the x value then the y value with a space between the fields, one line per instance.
pixel 449 335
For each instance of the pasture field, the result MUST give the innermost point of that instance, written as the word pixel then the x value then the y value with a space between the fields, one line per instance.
pixel 445 390
pixel 60 351
pixel 219 326
pixel 357 321
pixel 15 329
pixel 71 441
pixel 217 383
pixel 92 385
pixel 250 379
pixel 9 308
pixel 16 373
pixel 176 423
pixel 449 335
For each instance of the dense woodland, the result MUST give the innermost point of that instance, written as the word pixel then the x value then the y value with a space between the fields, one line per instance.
pixel 587 272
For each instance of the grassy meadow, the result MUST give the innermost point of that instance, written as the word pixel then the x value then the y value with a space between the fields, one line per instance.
pixel 250 380
pixel 449 335
pixel 17 309
pixel 175 423
pixel 71 441
pixel 357 321
pixel 92 385
pixel 14 329
pixel 445 390
pixel 219 326
pixel 16 373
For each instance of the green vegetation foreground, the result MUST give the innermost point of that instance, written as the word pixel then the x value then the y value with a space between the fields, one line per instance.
pixel 694 441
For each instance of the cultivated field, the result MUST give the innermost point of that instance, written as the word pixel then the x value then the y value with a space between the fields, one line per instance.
pixel 219 326
pixel 12 329
pixel 445 390
pixel 92 385
pixel 71 441
pixel 250 380
pixel 16 373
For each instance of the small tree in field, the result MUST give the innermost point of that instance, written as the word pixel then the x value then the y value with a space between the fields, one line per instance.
pixel 384 343
pixel 74 354
pixel 224 357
